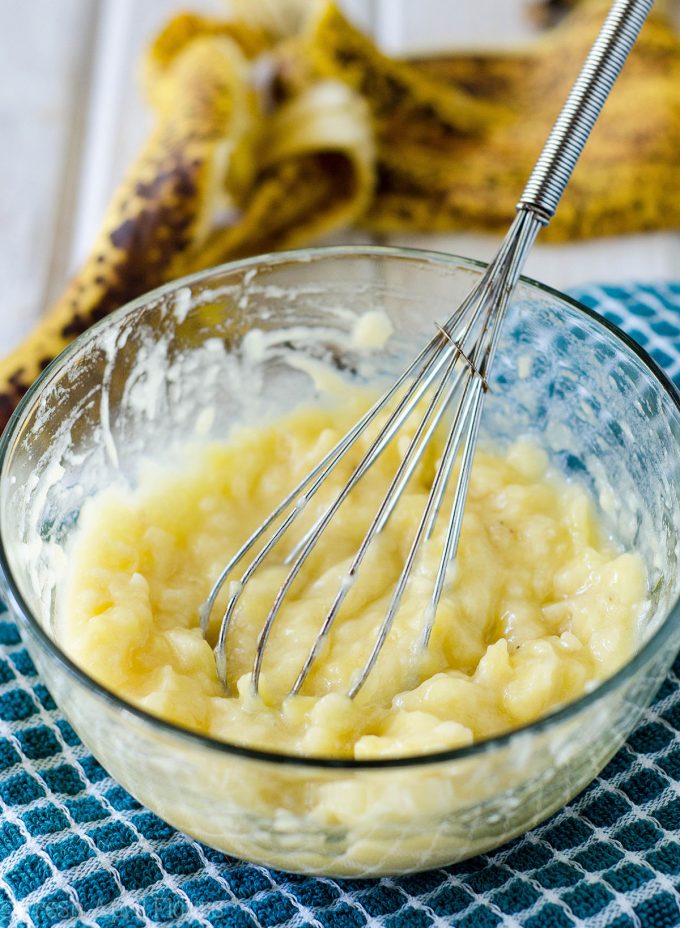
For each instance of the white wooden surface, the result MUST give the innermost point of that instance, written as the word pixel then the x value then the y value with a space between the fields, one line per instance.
pixel 72 118
pixel 41 105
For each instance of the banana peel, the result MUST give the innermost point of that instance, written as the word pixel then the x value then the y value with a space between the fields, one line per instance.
pixel 456 137
pixel 347 135
pixel 183 29
pixel 405 102
pixel 317 174
pixel 627 179
pixel 316 155
pixel 206 112
pixel 309 171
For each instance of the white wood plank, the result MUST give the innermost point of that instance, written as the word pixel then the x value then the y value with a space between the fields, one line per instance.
pixel 69 135
pixel 43 56
pixel 404 27
pixel 645 257
pixel 119 118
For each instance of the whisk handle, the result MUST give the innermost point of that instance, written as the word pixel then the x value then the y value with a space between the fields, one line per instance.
pixel 584 103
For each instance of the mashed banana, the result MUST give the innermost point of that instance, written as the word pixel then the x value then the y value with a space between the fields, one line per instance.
pixel 538 607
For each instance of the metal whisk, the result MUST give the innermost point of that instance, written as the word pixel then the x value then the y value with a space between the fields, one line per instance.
pixel 450 375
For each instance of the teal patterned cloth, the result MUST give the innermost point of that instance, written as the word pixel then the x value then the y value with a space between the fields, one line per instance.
pixel 76 849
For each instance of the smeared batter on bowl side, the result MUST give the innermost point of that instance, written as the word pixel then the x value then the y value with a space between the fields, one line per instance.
pixel 538 607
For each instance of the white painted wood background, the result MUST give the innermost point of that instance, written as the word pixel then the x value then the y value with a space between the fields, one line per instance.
pixel 72 118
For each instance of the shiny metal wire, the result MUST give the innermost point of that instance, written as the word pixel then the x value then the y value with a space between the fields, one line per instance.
pixel 451 373
pixel 583 105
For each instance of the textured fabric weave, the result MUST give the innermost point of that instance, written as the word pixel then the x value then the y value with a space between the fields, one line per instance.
pixel 76 849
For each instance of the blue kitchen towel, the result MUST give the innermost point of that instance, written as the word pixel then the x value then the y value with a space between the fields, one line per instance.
pixel 76 849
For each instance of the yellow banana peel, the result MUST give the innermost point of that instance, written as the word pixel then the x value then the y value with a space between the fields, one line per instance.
pixel 183 29
pixel 627 180
pixel 206 112
pixel 316 174
pixel 342 135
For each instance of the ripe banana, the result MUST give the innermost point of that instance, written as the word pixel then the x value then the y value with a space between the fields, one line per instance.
pixel 305 171
pixel 627 179
pixel 345 135
pixel 206 114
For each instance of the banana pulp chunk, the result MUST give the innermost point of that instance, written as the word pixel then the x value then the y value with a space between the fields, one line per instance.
pixel 537 607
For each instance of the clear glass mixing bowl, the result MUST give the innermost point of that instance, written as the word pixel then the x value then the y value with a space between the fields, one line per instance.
pixel 135 386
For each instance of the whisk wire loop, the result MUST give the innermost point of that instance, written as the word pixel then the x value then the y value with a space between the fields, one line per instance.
pixel 300 497
pixel 409 461
pixel 391 428
pixel 419 375
pixel 462 433
pixel 323 468
pixel 583 106
pixel 453 368
pixel 449 350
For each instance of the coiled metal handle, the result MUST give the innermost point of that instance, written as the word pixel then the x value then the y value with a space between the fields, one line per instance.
pixel 584 103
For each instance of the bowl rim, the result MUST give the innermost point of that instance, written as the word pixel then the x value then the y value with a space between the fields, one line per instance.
pixel 19 608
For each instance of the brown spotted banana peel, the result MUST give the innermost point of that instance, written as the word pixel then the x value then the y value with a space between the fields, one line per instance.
pixel 454 137
pixel 308 170
pixel 404 100
pixel 627 180
pixel 164 207
pixel 316 174
pixel 183 29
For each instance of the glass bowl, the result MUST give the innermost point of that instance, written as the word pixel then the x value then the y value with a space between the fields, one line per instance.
pixel 138 383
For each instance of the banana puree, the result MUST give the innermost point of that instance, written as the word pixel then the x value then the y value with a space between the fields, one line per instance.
pixel 538 607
